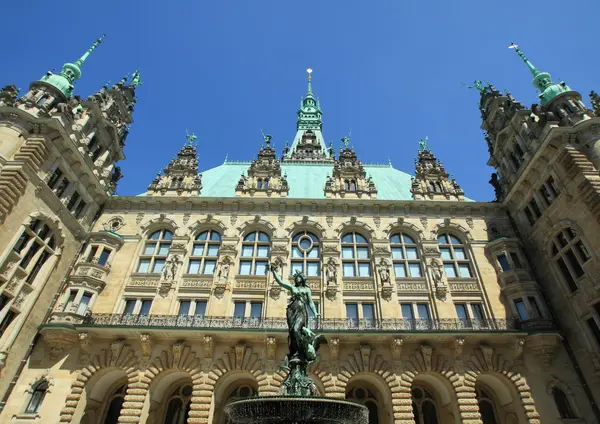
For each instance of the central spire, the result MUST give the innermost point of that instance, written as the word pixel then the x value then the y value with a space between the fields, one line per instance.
pixel 309 144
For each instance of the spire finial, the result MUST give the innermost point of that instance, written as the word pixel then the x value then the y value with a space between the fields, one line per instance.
pixel 309 72
pixel 423 144
pixel 135 79
pixel 519 52
pixel 190 137
pixel 89 51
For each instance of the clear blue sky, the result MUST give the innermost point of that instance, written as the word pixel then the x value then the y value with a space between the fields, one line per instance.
pixel 389 70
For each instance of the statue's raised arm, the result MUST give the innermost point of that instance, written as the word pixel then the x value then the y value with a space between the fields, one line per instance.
pixel 282 283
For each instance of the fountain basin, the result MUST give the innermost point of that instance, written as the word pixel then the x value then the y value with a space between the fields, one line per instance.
pixel 296 410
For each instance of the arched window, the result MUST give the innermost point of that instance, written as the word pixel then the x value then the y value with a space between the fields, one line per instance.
pixel 203 259
pixel 156 249
pixel 255 253
pixel 455 257
pixel 486 407
pixel 306 256
pixel 178 406
pixel 239 393
pixel 562 403
pixel 424 406
pixel 36 244
pixel 37 397
pixel 570 254
pixel 356 260
pixel 367 398
pixel 115 404
pixel 405 256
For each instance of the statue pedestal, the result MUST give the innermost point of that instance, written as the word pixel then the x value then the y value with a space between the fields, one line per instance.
pixel 297 382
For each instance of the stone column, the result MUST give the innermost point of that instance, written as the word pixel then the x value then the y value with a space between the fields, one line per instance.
pixel 201 399
pixel 135 396
pixel 402 402
pixel 468 406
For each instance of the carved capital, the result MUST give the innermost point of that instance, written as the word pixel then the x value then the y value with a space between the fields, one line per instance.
pixel 396 347
pixel 459 343
pixel 271 347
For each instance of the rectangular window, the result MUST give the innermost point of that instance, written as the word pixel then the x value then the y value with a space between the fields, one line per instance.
pixel 423 311
pixel 198 250
pixel 310 312
pixel 296 267
pixel 194 267
pixel 209 267
pixel 149 248
pixel 445 253
pixel 368 310
pixel 400 270
pixel 159 264
pixel 10 315
pixel 296 253
pixel 362 252
pixel 463 317
pixel 35 246
pixel 129 306
pixel 407 311
pixel 72 201
pixel 61 187
pixel 583 253
pixel 529 216
pixel 577 269
pixel 213 250
pixel 260 268
pixel 548 198
pixel 449 270
pixel 477 310
pixel 567 275
pixel 144 265
pixel 145 309
pixel 38 265
pixel 595 330
pixel 397 253
pixel 54 178
pixel 552 186
pixel 22 242
pixel 256 309
pixel 537 312
pixel 535 208
pixel 503 261
pixel 465 270
pixel 79 209
pixel 83 303
pixel 415 270
pixel 103 259
pixel 247 251
pixel 521 309
pixel 184 307
pixel 348 269
pixel 92 254
pixel 459 253
pixel 312 269
pixel 262 251
pixel 411 253
pixel 239 309
pixel 163 250
pixel 245 267
pixel 347 253
pixel 515 260
pixel 352 314
pixel 200 308
pixel 364 269
pixel 70 300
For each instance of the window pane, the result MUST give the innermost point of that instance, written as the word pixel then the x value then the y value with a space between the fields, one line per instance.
pixel 503 261
pixel 213 250
pixel 245 267
pixel 184 307
pixel 411 253
pixel 312 269
pixel 360 239
pixel 296 266
pixel 256 309
pixel 395 239
pixel 537 313
pixel 567 275
pixel 407 311
pixel 103 257
pixel 415 270
pixel 574 263
pixel 407 239
pixel 83 303
pixel 194 267
pixel 163 250
pixel 167 235
pixel 348 269
pixel 297 237
pixel 465 270
pixel 522 310
pixel 145 309
pixel 400 270
pixel 442 239
pixel 459 253
pixel 352 311
pixel 149 250
pixel 215 236
pixel 198 250
pixel 347 238
pixel 129 306
pixel 305 244
pixel 250 237
pixel 515 260
pixel 347 252
pixel 144 265
pixel 263 237
pixel 362 252
pixel 364 269
pixel 209 267
pixel 397 253
pixel 200 308
pixel 445 254
pixel 202 236
pixel 423 310
pixel 583 253
pixel 368 311
pixel 262 251
pixel 155 235
pixel 454 240
pixel 248 251
pixel 296 253
pixel 239 309
pixel 449 270
pixel 159 264
pixel 461 310
pixel 313 253
pixel 477 310
pixel 260 268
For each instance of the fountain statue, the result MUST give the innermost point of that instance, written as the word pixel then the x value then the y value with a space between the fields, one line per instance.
pixel 298 401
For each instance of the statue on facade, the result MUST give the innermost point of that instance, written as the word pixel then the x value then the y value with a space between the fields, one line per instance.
pixel 384 272
pixel 437 273
pixel 495 182
pixel 224 271
pixel 303 343
pixel 171 267
pixel 331 272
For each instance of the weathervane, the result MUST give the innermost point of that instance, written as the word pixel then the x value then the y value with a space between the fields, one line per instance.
pixel 190 137
pixel 423 143
pixel 309 71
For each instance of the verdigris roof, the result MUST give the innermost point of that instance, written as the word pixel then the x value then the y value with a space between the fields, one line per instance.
pixel 306 180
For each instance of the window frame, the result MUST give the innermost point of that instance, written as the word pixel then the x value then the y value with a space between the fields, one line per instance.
pixel 304 260
pixel 456 263
pixel 562 255
pixel 161 240
pixel 355 260
pixel 404 260
pixel 203 258
pixel 254 260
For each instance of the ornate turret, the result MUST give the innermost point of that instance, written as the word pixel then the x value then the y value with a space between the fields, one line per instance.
pixel 308 144
pixel 431 181
pixel 264 175
pixel 63 83
pixel 180 175
pixel 349 178
pixel 542 80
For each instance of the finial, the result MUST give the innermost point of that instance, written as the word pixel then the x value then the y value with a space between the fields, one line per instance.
pixel 423 144
pixel 89 51
pixel 226 156
pixel 266 137
pixel 389 161
pixel 135 79
pixel 124 79
pixel 190 137
pixel 532 68
pixel 309 72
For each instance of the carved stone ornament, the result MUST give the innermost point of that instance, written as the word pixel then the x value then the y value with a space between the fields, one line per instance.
pixel 396 348
pixel 459 343
pixel 85 347
pixel 275 291
pixel 386 292
pixel 219 290
pixel 58 342
pixel 146 344
pixel 431 250
pixel 114 224
pixel 331 272
pixel 439 282
pixel 271 347
pixel 331 292
pixel 427 352
pixel 544 346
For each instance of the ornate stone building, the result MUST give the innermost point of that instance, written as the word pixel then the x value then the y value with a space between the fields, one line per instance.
pixel 157 308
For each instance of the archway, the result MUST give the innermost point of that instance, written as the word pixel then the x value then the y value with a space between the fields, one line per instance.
pixel 232 386
pixel 99 391
pixel 434 400
pixel 371 391
pixel 498 399
pixel 169 397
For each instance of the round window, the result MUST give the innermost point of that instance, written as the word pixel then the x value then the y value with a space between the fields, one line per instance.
pixel 305 243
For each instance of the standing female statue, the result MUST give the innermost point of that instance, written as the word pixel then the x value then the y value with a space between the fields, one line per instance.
pixel 302 342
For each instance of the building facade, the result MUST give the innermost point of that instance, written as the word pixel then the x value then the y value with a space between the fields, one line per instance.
pixel 158 308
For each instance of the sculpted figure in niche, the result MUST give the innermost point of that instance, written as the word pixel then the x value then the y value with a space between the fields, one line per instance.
pixel 331 272
pixel 437 272
pixel 384 272
pixel 224 270
pixel 171 267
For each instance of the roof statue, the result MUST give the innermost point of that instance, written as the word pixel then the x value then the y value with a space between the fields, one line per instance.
pixel 423 143
pixel 190 137
pixel 135 80
pixel 541 80
pixel 345 141
pixel 266 137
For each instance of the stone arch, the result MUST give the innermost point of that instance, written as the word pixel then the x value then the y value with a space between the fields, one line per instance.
pixel 223 387
pixel 159 223
pixel 497 374
pixel 453 228
pixel 305 224
pixel 256 224
pixel 377 384
pixel 566 389
pixel 355 225
pixel 120 356
pixel 53 223
pixel 402 226
pixel 159 391
pixel 209 223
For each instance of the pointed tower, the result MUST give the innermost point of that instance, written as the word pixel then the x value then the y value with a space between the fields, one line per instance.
pixel 181 174
pixel 264 175
pixel 308 145
pixel 349 178
pixel 431 181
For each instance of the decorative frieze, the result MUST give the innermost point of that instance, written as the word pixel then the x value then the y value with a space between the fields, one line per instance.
pixel 464 286
pixel 411 286
pixel 195 284
pixel 251 284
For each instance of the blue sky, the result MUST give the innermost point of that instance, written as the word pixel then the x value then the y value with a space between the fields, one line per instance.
pixel 389 70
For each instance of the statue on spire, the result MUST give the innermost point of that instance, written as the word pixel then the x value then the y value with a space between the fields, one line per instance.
pixel 423 144
pixel 135 80
pixel 190 137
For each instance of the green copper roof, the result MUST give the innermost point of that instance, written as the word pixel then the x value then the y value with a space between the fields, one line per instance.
pixel 65 80
pixel 542 80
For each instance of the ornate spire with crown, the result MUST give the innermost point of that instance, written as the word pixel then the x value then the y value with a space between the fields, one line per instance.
pixel 64 81
pixel 181 174
pixel 542 80
pixel 309 145
pixel 431 181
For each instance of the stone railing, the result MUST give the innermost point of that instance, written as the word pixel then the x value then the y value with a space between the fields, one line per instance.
pixel 321 324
